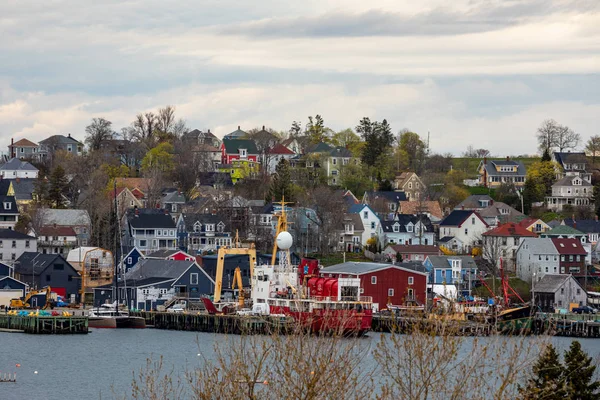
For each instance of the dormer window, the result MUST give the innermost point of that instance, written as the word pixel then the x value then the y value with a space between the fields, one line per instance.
pixel 396 228
pixel 7 205
pixel 210 227
pixel 197 227
pixel 409 228
pixel 243 152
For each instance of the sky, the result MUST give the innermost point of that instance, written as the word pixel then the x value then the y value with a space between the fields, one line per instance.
pixel 468 72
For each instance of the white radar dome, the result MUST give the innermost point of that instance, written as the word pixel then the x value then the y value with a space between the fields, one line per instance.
pixel 284 241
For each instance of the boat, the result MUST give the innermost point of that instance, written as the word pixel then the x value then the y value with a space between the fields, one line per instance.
pixel 318 303
pixel 518 320
pixel 107 316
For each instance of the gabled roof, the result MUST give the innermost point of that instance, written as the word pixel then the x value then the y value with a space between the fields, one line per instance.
pixel 232 146
pixel 457 217
pixel 35 263
pixel 151 220
pixel 23 188
pixel 563 230
pixel 570 158
pixel 490 167
pixel 132 183
pixel 5 186
pixel 416 206
pixel 215 178
pixel 14 164
pixel 357 208
pixel 174 197
pixel 445 261
pixel 155 268
pixel 551 283
pixel 321 147
pixel 361 268
pixel 474 202
pixel 164 254
pixel 528 221
pixel 539 245
pixel 24 143
pixel 568 181
pixel 403 220
pixel 12 234
pixel 190 220
pixel 50 230
pixel 404 177
pixel 510 230
pixel 584 225
pixel 494 210
pixel 569 246
pixel 12 205
pixel 66 217
pixel 353 219
pixel 280 149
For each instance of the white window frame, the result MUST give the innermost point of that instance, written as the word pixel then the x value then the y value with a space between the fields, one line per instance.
pixel 373 280
pixel 391 292
pixel 411 280
pixel 194 278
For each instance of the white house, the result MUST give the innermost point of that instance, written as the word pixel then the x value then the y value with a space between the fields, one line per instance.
pixel 13 244
pixel 407 229
pixel 466 226
pixel 570 190
pixel 537 256
pixel 370 221
pixel 16 168
pixel 151 231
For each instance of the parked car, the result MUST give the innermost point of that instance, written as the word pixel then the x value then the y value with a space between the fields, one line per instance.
pixel 584 310
pixel 177 308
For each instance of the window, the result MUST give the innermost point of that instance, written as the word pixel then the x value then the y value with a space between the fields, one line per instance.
pixel 27 243
pixel 7 206
pixel 562 290
pixel 171 233
pixel 411 280
pixel 341 239
pixel 334 161
pixel 1 244
pixel 194 278
pixel 473 221
pixel 409 228
pixel 562 258
pixel 48 278
pixel 129 260
pixel 373 280
pixel 578 291
pixel 69 148
pixel 372 225
pixel 243 152
pixel 390 292
pixel 13 256
pixel 365 214
pixel 571 258
pixel 578 259
pixel 142 243
pixel 411 294
pixel 14 244
pixel 466 231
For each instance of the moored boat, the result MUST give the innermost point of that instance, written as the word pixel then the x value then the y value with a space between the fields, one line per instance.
pixel 106 316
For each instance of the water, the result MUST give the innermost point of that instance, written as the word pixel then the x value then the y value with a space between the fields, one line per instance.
pixel 101 365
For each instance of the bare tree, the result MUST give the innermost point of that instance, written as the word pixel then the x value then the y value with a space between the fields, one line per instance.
pixel 566 138
pixel 592 147
pixel 99 131
pixel 168 128
pixel 547 135
pixel 143 129
pixel 329 209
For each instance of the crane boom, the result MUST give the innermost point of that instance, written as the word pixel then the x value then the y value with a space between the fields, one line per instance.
pixel 225 250
pixel 237 282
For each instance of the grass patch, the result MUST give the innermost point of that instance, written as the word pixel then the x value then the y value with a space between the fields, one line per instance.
pixel 521 287
pixel 338 258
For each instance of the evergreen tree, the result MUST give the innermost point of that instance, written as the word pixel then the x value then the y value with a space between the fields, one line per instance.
pixel 547 381
pixel 546 156
pixel 58 186
pixel 281 183
pixel 40 189
pixel 378 139
pixel 580 374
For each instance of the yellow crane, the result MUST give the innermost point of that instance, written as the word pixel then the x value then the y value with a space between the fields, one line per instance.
pixel 237 281
pixel 24 303
pixel 235 249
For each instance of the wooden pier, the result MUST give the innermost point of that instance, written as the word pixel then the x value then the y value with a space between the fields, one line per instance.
pixel 570 325
pixel 401 324
pixel 43 324
pixel 232 324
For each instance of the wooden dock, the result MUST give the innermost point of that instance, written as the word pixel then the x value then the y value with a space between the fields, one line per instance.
pixel 401 324
pixel 232 324
pixel 43 324
pixel 571 325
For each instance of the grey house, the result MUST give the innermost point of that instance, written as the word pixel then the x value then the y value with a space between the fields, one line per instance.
pixel 40 270
pixel 22 149
pixel 17 168
pixel 558 291
pixel 79 220
pixel 60 142
pixel 13 244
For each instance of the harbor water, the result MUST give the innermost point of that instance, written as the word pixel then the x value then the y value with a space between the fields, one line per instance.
pixel 101 365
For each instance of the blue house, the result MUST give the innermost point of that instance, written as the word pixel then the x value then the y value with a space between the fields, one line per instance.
pixel 10 284
pixel 5 270
pixel 457 271
pixel 132 256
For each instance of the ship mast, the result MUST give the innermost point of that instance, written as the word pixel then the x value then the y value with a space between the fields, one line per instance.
pixel 282 226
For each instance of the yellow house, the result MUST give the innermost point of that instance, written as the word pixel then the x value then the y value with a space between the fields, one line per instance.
pixel 493 173
pixel 240 169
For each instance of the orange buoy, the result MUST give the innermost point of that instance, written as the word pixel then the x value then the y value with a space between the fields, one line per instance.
pixel 18 365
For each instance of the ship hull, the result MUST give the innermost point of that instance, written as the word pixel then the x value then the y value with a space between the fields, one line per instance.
pixel 345 322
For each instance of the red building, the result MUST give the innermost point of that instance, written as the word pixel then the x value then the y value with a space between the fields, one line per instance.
pixel 572 256
pixel 385 283
pixel 238 149
pixel 178 255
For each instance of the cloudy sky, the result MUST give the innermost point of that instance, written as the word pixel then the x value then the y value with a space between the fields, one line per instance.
pixel 480 72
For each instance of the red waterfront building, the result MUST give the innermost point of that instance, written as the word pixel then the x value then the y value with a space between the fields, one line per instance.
pixel 398 284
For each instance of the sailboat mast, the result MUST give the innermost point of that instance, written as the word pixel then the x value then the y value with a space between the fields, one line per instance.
pixel 116 274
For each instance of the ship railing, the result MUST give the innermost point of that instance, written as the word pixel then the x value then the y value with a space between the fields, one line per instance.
pixel 362 299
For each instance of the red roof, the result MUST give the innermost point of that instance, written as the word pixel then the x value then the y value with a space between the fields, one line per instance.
pixel 280 149
pixel 57 231
pixel 527 222
pixel 569 246
pixel 24 143
pixel 510 229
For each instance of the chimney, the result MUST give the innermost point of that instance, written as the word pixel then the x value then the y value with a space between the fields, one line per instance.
pixel 209 131
pixel 69 135
pixel 18 179
pixel 239 128
pixel 263 127
pixel 54 225
pixel 507 158
pixel 596 218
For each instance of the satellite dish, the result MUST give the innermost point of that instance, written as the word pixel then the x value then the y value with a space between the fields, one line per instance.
pixel 284 241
